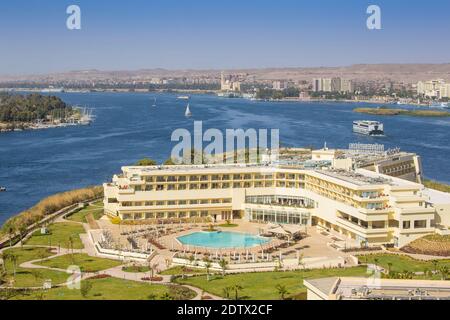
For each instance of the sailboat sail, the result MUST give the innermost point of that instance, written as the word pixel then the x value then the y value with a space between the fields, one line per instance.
pixel 188 112
pixel 154 103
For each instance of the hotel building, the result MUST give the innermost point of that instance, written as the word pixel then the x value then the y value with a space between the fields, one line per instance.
pixel 434 89
pixel 366 206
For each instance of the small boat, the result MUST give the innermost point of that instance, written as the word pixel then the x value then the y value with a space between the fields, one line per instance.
pixel 370 128
pixel 2 189
pixel 188 112
pixel 183 97
pixel 154 103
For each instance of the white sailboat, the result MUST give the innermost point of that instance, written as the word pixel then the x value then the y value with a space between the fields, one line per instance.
pixel 154 103
pixel 188 112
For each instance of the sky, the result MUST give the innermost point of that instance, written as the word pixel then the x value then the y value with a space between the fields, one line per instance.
pixel 212 34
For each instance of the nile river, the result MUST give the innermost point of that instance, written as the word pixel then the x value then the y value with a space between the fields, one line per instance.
pixel 35 164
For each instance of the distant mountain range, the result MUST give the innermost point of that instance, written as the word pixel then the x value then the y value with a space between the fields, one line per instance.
pixel 398 72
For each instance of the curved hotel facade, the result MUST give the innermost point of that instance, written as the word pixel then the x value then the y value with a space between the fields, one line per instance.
pixel 363 205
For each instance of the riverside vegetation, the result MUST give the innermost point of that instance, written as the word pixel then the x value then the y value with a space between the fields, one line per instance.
pixel 383 111
pixel 21 111
pixel 47 206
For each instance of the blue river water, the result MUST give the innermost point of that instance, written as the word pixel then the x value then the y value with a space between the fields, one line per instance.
pixel 35 164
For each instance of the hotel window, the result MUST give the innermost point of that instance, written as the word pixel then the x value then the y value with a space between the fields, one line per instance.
pixel 171 203
pixel 193 186
pixel 160 203
pixel 138 204
pixel 225 185
pixel 112 200
pixel 193 201
pixel 148 187
pixel 227 200
pixel 281 176
pixel 215 177
pixel 214 185
pixel 226 177
pixel 204 186
pixel 181 178
pixel 172 215
pixel 204 213
pixel 127 204
pixel 269 183
pixel 215 201
pixel 171 187
pixel 247 185
pixel 171 179
pixel 160 179
pixel 159 187
pixel 291 176
pixel 236 176
pixel 193 178
pixel 193 214
pixel 181 202
pixel 148 179
pixel 149 215
pixel 406 224
pixel 236 185
pixel 420 224
pixel 182 214
pixel 204 178
pixel 160 215
pixel 247 176
pixel 204 201
pixel 137 188
pixel 148 203
pixel 181 187
pixel 259 184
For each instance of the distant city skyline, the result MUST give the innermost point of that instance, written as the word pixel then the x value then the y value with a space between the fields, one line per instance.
pixel 174 34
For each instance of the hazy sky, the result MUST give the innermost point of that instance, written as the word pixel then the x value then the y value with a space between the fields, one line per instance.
pixel 173 34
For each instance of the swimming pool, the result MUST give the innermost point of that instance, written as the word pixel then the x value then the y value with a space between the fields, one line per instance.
pixel 222 239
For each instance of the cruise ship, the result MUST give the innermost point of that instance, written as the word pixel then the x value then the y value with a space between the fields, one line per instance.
pixel 371 128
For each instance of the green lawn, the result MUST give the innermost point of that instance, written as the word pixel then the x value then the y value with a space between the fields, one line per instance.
pixel 32 277
pixel 80 216
pixel 138 269
pixel 107 289
pixel 262 285
pixel 82 260
pixel 177 271
pixel 59 235
pixel 228 225
pixel 401 263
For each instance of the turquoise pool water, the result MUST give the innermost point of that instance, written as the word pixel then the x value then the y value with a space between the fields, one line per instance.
pixel 222 239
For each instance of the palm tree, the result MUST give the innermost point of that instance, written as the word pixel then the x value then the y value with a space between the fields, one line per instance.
pixel 226 292
pixel 444 272
pixel 207 267
pixel 22 233
pixel 183 272
pixel 166 296
pixel 282 291
pixel 236 289
pixel 435 265
pixel 11 233
pixel 4 257
pixel 223 264
pixel 13 259
pixel 191 259
pixel 389 267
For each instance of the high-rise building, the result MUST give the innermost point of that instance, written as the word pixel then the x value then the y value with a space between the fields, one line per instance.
pixel 335 84
pixel 434 89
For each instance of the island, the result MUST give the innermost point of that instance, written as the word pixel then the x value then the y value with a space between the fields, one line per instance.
pixel 35 111
pixel 383 111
